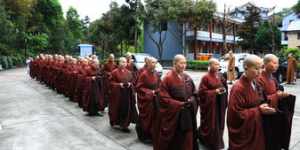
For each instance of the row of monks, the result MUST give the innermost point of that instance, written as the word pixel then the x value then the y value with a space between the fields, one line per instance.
pixel 259 113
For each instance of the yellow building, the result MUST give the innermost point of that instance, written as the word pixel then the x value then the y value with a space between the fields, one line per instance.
pixel 293 33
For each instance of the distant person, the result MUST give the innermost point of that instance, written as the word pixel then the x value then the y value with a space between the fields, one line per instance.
pixel 231 67
pixel 213 103
pixel 291 69
pixel 130 66
pixel 28 61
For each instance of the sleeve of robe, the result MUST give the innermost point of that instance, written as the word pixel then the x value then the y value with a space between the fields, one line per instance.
pixel 169 111
pixel 244 124
pixel 113 80
pixel 271 98
pixel 166 99
pixel 207 96
pixel 142 90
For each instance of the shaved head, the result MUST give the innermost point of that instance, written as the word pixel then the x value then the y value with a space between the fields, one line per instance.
pixel 251 60
pixel 269 57
pixel 213 61
pixel 179 63
pixel 177 58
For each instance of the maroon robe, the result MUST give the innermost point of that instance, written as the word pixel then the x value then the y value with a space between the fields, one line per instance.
pixel 147 83
pixel 277 127
pixel 212 110
pixel 107 69
pixel 244 119
pixel 270 88
pixel 178 120
pixel 109 66
pixel 80 86
pixel 138 73
pixel 73 80
pixel 131 67
pixel 87 88
pixel 122 109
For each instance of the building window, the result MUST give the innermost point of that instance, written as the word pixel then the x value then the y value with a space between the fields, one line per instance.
pixel 298 36
pixel 285 36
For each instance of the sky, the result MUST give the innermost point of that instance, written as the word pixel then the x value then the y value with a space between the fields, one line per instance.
pixel 95 8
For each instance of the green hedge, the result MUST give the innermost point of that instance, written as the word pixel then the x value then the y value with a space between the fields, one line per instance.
pixel 4 63
pixel 197 65
pixel 9 62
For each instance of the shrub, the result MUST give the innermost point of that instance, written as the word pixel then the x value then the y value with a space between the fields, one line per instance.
pixel 294 51
pixel 197 65
pixel 4 62
pixel 10 62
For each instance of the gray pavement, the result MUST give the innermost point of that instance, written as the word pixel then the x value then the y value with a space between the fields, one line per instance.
pixel 34 117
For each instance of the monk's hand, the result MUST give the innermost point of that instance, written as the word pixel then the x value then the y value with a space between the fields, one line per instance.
pixel 128 84
pixel 187 104
pixel 93 77
pixel 266 109
pixel 218 91
pixel 282 94
pixel 121 84
pixel 153 92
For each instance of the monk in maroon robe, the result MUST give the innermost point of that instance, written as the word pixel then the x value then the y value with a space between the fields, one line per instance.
pixel 92 98
pixel 73 75
pixel 147 87
pixel 274 124
pixel 131 67
pixel 141 70
pixel 108 67
pixel 246 108
pixel 122 110
pixel 213 103
pixel 81 82
pixel 178 108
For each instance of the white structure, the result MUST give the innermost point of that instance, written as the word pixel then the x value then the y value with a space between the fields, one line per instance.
pixel 286 26
pixel 85 50
pixel 241 12
pixel 293 33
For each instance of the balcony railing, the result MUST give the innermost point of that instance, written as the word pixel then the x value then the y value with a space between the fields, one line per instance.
pixel 215 37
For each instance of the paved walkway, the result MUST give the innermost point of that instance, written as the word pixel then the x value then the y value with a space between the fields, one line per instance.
pixel 33 117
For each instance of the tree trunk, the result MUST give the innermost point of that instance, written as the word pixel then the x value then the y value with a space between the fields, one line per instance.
pixel 195 43
pixel 184 52
pixel 135 39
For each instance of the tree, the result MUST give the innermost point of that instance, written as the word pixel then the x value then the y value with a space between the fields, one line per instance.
pixel 48 18
pixel 104 31
pixel 296 7
pixel 74 23
pixel 136 8
pixel 37 42
pixel 85 25
pixel 157 16
pixel 264 38
pixel 8 32
pixel 195 14
pixel 202 14
pixel 74 30
pixel 249 28
pixel 116 30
